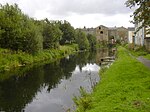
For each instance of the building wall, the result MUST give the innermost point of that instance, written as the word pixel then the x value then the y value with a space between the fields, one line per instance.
pixel 140 35
pixel 122 34
pixel 131 35
pixel 147 43
pixel 101 33
pixel 112 33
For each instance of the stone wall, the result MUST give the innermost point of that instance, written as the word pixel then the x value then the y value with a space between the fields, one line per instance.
pixel 112 33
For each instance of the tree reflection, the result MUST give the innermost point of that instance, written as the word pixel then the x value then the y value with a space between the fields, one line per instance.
pixel 19 90
pixel 16 92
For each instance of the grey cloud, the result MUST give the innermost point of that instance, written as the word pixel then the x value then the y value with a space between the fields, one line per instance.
pixel 106 7
pixel 65 7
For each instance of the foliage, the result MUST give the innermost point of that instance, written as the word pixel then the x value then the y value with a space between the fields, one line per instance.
pixel 18 31
pixel 10 59
pixel 137 50
pixel 68 33
pixel 142 13
pixel 84 102
pixel 82 40
pixel 92 41
pixel 32 40
pixel 124 87
pixel 147 56
pixel 51 34
pixel 10 26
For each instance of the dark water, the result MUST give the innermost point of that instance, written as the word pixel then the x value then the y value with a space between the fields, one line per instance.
pixel 50 87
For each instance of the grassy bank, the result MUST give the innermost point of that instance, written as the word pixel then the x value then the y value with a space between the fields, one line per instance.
pixel 124 87
pixel 10 59
pixel 138 51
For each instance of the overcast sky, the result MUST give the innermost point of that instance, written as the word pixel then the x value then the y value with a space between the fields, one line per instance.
pixel 79 13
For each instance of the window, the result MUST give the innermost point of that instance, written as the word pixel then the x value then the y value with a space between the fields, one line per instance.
pixel 101 32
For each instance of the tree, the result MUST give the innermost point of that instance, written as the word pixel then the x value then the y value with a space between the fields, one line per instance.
pixel 142 13
pixel 32 40
pixel 82 40
pixel 10 25
pixel 18 31
pixel 68 33
pixel 51 34
pixel 92 41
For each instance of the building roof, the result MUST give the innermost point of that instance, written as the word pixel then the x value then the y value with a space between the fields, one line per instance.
pixel 102 26
pixel 131 28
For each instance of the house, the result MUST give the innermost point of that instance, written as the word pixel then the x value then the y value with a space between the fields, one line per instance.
pixel 131 34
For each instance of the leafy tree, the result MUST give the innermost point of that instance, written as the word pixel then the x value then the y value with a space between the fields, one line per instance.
pixel 142 13
pixel 82 40
pixel 92 41
pixel 68 33
pixel 10 24
pixel 51 34
pixel 18 31
pixel 32 40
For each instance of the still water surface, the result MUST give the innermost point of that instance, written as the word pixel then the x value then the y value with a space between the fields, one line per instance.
pixel 50 87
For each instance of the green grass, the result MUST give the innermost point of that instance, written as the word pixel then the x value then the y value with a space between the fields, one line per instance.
pixel 124 87
pixel 138 50
pixel 10 59
pixel 147 56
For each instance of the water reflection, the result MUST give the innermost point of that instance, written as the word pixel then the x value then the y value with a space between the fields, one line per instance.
pixel 50 87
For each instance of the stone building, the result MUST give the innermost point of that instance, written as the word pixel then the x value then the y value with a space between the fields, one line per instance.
pixel 112 33
pixel 122 34
pixel 118 33
pixel 105 34
pixel 101 33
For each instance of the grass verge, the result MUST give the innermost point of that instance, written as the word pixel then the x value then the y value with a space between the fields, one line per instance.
pixel 10 59
pixel 138 51
pixel 147 56
pixel 124 87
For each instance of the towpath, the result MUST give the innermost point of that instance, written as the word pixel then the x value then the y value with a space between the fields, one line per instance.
pixel 145 61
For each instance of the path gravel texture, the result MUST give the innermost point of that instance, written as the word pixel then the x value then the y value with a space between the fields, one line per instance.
pixel 145 61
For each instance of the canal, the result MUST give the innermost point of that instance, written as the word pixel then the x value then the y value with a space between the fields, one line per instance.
pixel 50 87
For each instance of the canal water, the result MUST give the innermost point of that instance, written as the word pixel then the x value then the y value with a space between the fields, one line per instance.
pixel 50 87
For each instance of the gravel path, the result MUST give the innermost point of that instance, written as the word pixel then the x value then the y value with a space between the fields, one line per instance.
pixel 145 61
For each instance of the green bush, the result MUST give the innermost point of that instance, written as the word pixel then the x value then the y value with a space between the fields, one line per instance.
pixel 11 59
